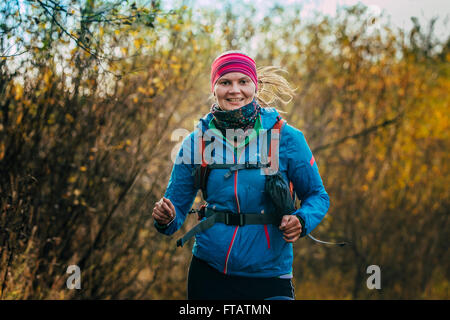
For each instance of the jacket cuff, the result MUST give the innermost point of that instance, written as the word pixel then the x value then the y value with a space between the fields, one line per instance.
pixel 302 222
pixel 162 226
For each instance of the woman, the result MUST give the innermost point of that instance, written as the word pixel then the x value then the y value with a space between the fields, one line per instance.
pixel 238 258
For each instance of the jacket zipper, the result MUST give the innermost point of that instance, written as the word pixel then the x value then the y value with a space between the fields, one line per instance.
pixel 239 211
pixel 266 230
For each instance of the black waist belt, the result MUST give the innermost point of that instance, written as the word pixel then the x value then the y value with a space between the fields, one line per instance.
pixel 230 219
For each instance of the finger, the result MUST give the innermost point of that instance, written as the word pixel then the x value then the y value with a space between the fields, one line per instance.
pixel 170 204
pixel 293 223
pixel 160 211
pixel 167 209
pixel 291 229
pixel 291 234
pixel 293 220
pixel 288 223
pixel 291 240
pixel 284 222
pixel 161 207
pixel 294 228
pixel 166 204
pixel 160 216
pixel 161 220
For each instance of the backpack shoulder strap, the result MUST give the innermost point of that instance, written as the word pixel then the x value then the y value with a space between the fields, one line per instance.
pixel 202 172
pixel 279 125
pixel 273 144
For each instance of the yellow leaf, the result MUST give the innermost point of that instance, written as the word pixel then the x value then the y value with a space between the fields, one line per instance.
pixel 161 20
pixel 47 78
pixel 370 174
pixel 83 169
pixel 51 120
pixel 69 118
pixel 19 118
pixel 142 90
pixel 138 43
pixel 19 92
pixel 2 150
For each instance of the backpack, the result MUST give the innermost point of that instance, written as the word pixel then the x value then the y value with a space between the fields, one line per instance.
pixel 279 191
pixel 274 180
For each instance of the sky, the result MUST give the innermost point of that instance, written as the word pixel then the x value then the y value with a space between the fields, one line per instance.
pixel 399 11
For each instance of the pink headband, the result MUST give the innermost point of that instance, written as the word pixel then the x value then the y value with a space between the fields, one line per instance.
pixel 233 62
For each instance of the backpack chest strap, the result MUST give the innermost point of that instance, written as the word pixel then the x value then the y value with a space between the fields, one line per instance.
pixel 239 166
pixel 230 219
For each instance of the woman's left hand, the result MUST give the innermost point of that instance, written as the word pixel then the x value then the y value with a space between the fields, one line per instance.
pixel 291 227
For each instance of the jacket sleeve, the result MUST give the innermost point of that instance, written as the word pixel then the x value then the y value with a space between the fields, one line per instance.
pixel 304 174
pixel 180 189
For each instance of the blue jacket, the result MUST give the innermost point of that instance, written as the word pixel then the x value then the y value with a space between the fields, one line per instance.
pixel 249 250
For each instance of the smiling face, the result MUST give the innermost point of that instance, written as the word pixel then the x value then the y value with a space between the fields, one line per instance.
pixel 234 90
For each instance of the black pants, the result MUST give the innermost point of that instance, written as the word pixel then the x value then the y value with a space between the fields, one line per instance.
pixel 206 283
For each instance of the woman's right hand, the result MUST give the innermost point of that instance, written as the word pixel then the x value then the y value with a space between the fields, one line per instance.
pixel 164 211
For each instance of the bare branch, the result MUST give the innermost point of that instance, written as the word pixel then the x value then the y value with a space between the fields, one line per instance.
pixel 357 135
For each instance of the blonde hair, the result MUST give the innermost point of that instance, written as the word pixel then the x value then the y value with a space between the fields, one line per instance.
pixel 273 88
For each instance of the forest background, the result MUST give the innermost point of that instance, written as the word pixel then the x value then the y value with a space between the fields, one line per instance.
pixel 91 92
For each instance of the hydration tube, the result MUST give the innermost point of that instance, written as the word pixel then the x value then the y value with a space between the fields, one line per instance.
pixel 340 244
